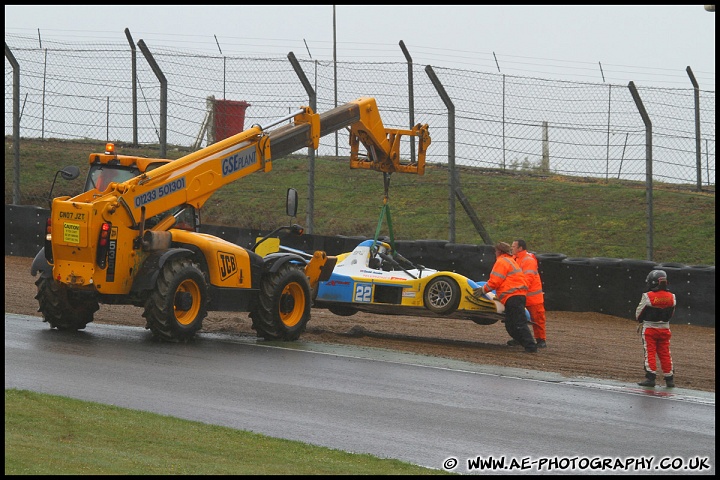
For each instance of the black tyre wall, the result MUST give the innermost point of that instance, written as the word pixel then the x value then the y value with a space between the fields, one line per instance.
pixel 701 282
pixel 554 282
pixel 634 272
pixel 473 261
pixel 580 283
pixel 691 285
pixel 695 284
pixel 606 274
pixel 432 254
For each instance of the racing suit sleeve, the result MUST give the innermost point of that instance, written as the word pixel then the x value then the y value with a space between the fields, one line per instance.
pixel 642 306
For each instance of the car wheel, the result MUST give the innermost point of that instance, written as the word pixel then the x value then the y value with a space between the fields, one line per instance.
pixel 442 295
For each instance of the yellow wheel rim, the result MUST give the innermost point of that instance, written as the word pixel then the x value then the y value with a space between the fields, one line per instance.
pixel 292 304
pixel 186 313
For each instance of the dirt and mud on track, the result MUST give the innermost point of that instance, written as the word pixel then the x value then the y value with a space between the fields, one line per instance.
pixel 584 344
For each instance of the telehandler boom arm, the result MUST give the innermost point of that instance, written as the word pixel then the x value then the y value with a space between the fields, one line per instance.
pixel 382 144
pixel 193 179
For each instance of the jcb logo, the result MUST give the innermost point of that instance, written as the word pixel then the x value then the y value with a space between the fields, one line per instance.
pixel 228 265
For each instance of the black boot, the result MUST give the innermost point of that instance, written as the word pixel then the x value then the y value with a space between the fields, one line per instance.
pixel 670 381
pixel 649 380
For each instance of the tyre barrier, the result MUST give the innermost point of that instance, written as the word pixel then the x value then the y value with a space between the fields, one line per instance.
pixel 428 253
pixel 349 243
pixel 599 284
pixel 701 280
pixel 473 261
pixel 580 286
pixel 334 245
pixel 306 243
pixel 691 286
pixel 555 286
pixel 431 253
pixel 409 250
pixel 24 229
pixel 633 274
pixel 606 274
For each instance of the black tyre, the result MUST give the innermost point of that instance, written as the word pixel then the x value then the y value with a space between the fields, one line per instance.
pixel 442 295
pixel 63 308
pixel 283 308
pixel 177 306
pixel 343 311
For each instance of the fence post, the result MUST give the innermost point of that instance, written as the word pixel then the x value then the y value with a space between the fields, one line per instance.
pixel 648 166
pixel 545 162
pixel 503 120
pixel 16 123
pixel 451 145
pixel 698 155
pixel 311 152
pixel 107 119
pixel 607 146
pixel 622 158
pixel 44 90
pixel 163 96
pixel 133 60
pixel 335 78
pixel 411 97
pixel 707 162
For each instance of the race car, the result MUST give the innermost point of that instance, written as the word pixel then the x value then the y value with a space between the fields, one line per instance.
pixel 372 278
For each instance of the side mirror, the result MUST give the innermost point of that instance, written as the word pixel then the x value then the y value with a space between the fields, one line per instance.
pixel 292 202
pixel 68 173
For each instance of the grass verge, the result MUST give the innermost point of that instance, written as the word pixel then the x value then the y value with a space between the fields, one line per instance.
pixel 53 435
pixel 575 216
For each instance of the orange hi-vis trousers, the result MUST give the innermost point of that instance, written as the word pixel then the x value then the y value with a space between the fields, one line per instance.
pixel 537 315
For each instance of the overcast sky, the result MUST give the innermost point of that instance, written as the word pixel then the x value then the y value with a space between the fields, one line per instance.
pixel 650 44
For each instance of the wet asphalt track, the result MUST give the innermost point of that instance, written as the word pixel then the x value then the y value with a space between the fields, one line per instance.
pixel 414 408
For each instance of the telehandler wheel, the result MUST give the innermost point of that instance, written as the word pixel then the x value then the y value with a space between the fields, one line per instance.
pixel 62 308
pixel 175 309
pixel 283 308
pixel 442 295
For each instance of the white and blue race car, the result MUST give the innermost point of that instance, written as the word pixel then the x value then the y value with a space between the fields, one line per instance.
pixel 372 278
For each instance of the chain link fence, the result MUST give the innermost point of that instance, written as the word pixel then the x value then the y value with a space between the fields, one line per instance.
pixel 109 92
pixel 79 91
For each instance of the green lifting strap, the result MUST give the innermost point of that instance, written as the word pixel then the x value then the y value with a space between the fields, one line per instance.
pixel 385 212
